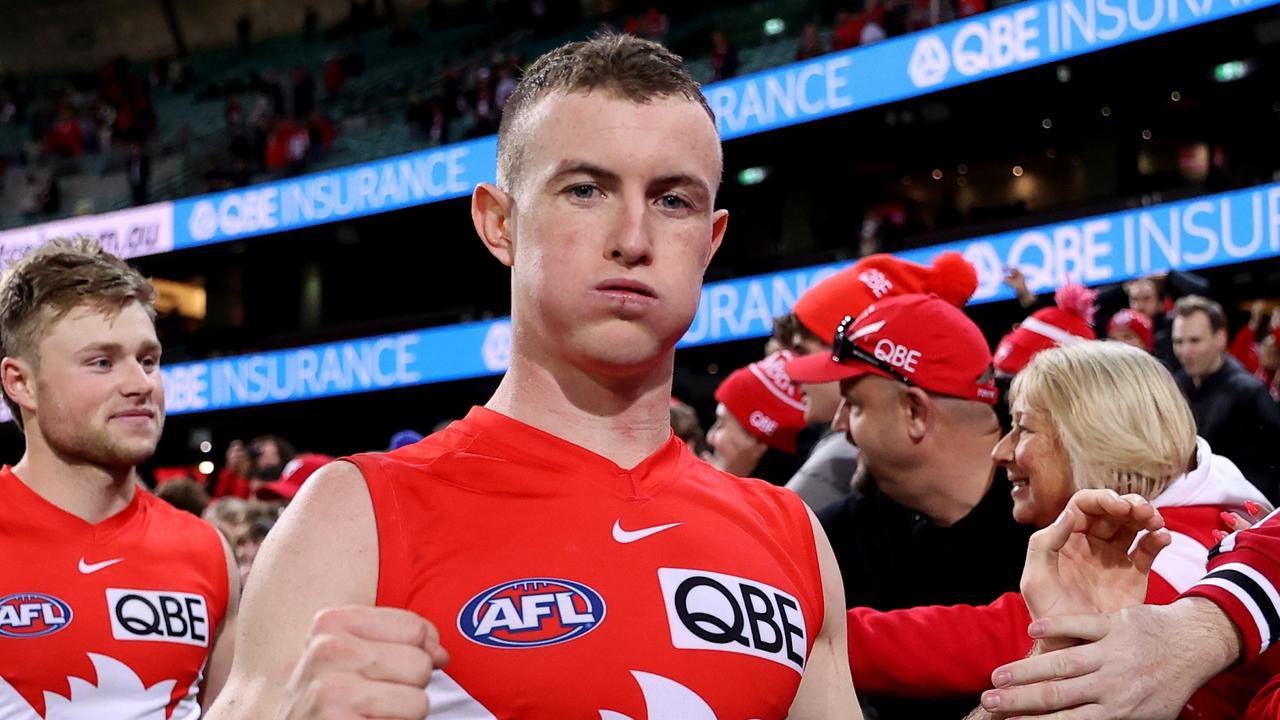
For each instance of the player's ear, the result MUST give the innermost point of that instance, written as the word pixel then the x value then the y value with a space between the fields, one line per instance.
pixel 19 382
pixel 719 223
pixel 492 213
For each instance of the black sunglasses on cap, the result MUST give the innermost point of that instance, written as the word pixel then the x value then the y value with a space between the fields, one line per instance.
pixel 842 348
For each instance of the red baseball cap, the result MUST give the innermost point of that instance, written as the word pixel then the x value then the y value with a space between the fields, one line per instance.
pixel 294 474
pixel 765 401
pixel 1136 323
pixel 877 277
pixel 922 340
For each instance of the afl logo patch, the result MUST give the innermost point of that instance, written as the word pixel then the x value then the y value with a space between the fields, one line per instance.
pixel 27 615
pixel 534 612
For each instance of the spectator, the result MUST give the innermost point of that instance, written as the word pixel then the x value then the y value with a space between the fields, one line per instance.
pixel 226 514
pixel 63 139
pixel 724 57
pixel 506 84
pixel 1069 321
pixel 968 8
pixel 334 77
pixel 1132 328
pixel 139 173
pixel 872 30
pixel 1154 296
pixel 287 146
pixel 847 32
pixel 1247 343
pixel 687 427
pixel 304 92
pixel 810 45
pixel 759 410
pixel 824 477
pixel 933 523
pixel 247 467
pixel 31 200
pixel 185 494
pixel 1088 415
pixel 485 111
pixel 292 476
pixel 244 32
pixel 247 545
pixel 1234 411
pixel 652 24
pixel 320 133
pixel 1269 363
pixel 51 196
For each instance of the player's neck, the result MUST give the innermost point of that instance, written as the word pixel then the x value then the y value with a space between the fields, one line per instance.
pixel 623 419
pixel 90 492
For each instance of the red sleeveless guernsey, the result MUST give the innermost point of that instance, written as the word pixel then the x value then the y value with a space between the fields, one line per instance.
pixel 566 587
pixel 113 620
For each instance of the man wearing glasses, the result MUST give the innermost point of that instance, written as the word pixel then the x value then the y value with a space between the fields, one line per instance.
pixel 930 526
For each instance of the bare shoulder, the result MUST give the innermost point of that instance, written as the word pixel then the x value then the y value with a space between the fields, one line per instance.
pixel 322 554
pixel 328 535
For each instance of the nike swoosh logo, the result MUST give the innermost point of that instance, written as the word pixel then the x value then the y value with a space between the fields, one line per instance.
pixel 87 568
pixel 630 536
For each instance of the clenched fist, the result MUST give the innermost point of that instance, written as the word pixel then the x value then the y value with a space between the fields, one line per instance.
pixel 365 662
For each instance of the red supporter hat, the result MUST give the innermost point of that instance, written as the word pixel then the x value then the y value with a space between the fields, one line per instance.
pixel 1071 321
pixel 876 277
pixel 1136 323
pixel 294 474
pixel 922 340
pixel 765 401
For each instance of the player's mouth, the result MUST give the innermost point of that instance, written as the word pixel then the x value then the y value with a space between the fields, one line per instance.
pixel 628 292
pixel 135 414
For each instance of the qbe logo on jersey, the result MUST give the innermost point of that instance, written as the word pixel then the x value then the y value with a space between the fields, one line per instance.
pixel 158 616
pixel 28 615
pixel 713 611
pixel 534 612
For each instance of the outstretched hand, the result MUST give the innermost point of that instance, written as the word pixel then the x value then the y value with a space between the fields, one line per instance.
pixel 1087 561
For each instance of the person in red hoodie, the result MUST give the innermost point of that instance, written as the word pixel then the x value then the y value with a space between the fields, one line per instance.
pixel 1089 415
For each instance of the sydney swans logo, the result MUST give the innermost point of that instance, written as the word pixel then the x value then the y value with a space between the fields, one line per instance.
pixel 119 689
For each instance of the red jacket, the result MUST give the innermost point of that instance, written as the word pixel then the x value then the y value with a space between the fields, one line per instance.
pixel 1244 573
pixel 951 651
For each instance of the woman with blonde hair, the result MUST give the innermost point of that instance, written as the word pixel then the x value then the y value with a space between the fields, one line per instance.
pixel 1087 415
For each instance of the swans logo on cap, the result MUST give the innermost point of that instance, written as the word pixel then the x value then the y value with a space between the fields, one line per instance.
pixel 26 615
pixel 534 612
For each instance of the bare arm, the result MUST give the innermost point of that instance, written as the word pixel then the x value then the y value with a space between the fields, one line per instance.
pixel 826 691
pixel 322 554
pixel 224 644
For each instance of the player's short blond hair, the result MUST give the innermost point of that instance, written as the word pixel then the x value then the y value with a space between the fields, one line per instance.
pixel 53 280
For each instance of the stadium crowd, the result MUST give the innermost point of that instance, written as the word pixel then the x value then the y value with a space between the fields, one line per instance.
pixel 281 120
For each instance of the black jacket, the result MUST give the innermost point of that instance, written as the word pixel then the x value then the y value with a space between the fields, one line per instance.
pixel 1236 415
pixel 892 557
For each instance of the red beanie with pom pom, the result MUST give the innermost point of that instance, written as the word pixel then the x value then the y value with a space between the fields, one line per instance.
pixel 875 277
pixel 1070 321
